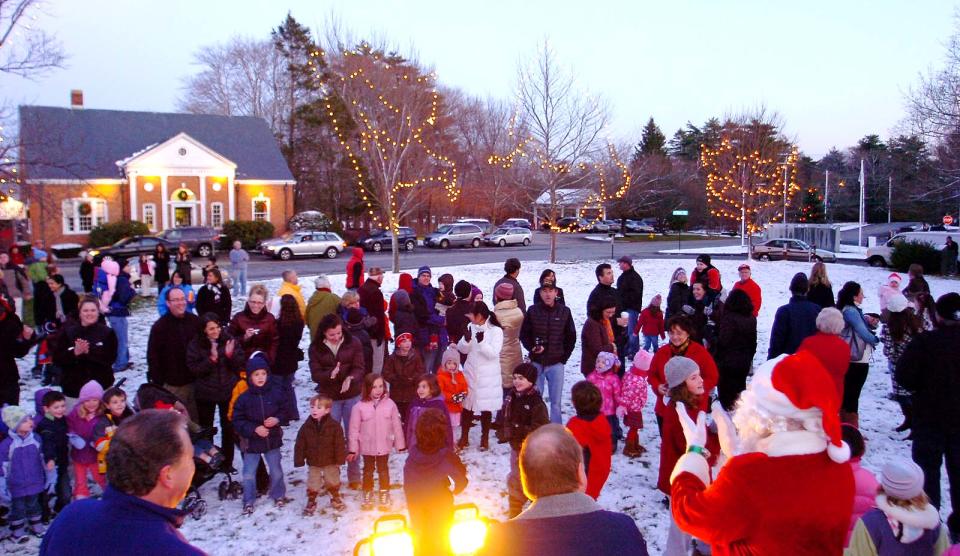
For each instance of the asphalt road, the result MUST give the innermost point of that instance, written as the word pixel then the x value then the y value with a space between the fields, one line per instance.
pixel 570 247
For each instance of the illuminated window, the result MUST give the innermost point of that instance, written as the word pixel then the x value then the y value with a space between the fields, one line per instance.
pixel 260 207
pixel 216 215
pixel 150 216
pixel 80 215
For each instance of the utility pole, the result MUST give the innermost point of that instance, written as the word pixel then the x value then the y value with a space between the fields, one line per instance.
pixel 826 194
pixel 889 199
pixel 785 193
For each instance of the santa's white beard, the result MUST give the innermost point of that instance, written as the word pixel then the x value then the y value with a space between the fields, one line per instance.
pixel 755 425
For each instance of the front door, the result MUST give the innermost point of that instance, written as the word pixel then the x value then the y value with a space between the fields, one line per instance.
pixel 182 216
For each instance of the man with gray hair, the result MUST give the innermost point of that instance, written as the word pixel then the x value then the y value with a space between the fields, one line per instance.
pixel 562 519
pixel 323 302
pixel 238 268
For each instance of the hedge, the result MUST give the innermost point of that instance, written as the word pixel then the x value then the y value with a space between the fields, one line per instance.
pixel 108 234
pixel 247 231
pixel 905 253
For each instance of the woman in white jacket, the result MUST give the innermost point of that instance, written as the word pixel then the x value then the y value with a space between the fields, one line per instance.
pixel 481 344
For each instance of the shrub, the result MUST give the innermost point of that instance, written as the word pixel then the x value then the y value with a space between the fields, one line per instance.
pixel 247 231
pixel 905 253
pixel 110 233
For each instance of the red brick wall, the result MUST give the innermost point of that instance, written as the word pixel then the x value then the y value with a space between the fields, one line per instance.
pixel 281 202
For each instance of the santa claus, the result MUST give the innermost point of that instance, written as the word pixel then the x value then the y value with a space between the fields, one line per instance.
pixel 786 487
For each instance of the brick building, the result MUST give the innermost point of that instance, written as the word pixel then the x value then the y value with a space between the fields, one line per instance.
pixel 82 167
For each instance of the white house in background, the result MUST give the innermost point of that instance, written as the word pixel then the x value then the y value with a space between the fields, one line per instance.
pixel 569 202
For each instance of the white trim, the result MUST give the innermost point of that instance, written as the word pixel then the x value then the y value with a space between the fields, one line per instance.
pixel 164 199
pixel 178 137
pixel 692 463
pixel 192 205
pixel 203 199
pixel 792 443
pixel 153 209
pixel 91 181
pixel 253 202
pixel 255 182
pixel 231 197
pixel 219 205
pixel 132 184
pixel 75 202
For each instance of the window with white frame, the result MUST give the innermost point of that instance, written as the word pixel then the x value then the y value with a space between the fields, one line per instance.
pixel 150 216
pixel 216 215
pixel 260 207
pixel 80 215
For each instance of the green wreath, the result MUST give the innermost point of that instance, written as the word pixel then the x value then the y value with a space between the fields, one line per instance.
pixel 183 195
pixel 84 209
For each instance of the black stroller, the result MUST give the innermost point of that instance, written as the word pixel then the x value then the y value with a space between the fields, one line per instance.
pixel 207 458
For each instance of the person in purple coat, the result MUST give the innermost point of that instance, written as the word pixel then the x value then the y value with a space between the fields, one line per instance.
pixel 428 397
pixel 24 473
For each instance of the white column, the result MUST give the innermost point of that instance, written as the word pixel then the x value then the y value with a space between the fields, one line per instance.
pixel 132 179
pixel 164 199
pixel 203 199
pixel 231 197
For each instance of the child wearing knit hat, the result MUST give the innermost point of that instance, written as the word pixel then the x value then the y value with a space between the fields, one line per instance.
pixel 523 412
pixel 81 424
pixel 634 397
pixel 453 385
pixel 904 521
pixel 604 377
pixel 23 471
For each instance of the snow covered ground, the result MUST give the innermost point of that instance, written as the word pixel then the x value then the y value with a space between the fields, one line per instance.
pixel 631 487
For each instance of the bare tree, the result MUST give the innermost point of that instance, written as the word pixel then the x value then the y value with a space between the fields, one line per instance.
pixel 933 105
pixel 241 77
pixel 564 125
pixel 25 49
pixel 396 134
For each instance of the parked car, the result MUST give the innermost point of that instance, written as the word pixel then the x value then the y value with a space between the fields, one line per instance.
pixel 504 236
pixel 641 227
pixel 792 250
pixel 383 239
pixel 202 240
pixel 132 246
pixel 516 223
pixel 879 255
pixel 458 234
pixel 572 223
pixel 303 243
pixel 612 225
pixel 598 226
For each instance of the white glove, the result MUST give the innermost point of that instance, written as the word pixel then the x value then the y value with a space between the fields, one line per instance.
pixel 51 484
pixel 695 433
pixel 76 441
pixel 687 310
pixel 708 310
pixel 729 440
pixel 621 411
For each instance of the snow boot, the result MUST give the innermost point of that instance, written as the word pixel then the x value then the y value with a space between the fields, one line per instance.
pixel 516 506
pixel 311 506
pixel 366 503
pixel 335 501
pixel 18 531
pixel 383 501
pixel 466 421
pixel 247 510
pixel 36 527
pixel 485 431
pixel 631 448
pixel 907 410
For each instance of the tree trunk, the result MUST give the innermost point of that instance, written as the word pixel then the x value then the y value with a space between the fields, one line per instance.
pixel 396 253
pixel 553 245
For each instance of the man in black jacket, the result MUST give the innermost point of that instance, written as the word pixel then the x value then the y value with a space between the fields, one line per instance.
pixel 511 269
pixel 930 369
pixel 605 287
pixel 630 286
pixel 794 321
pixel 549 335
pixel 167 350
pixel 371 299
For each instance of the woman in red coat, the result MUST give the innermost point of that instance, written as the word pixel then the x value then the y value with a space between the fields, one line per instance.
pixel 679 328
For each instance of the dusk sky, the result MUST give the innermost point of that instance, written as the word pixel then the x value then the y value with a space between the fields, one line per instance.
pixel 834 70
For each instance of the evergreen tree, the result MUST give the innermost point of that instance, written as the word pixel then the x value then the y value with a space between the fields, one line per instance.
pixel 811 207
pixel 652 141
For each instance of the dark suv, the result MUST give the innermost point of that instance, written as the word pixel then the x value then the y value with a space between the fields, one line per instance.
pixel 202 240
pixel 379 240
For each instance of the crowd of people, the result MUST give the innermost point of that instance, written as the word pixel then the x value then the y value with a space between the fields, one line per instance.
pixel 417 370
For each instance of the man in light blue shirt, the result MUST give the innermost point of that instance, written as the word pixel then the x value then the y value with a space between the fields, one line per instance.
pixel 238 268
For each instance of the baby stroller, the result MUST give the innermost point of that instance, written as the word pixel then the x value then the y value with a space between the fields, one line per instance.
pixel 207 458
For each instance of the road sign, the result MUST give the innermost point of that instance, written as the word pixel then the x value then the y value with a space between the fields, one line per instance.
pixel 681 213
pixel 947 220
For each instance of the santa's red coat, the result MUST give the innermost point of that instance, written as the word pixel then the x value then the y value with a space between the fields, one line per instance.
pixel 795 504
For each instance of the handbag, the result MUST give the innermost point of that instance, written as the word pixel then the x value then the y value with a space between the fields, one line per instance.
pixel 857 344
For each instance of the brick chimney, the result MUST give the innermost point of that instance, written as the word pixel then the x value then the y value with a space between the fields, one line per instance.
pixel 76 98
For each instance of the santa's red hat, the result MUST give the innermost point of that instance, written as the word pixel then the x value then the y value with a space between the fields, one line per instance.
pixel 798 387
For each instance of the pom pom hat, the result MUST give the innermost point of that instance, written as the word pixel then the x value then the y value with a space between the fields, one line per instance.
pixel 798 387
pixel 642 360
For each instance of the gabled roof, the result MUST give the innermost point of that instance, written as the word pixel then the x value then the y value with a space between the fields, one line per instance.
pixel 70 144
pixel 570 197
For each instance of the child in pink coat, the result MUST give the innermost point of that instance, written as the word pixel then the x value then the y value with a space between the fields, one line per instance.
pixel 604 377
pixel 81 422
pixel 375 429
pixel 634 397
pixel 864 481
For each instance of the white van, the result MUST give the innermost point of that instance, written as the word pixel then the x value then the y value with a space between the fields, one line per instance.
pixel 880 255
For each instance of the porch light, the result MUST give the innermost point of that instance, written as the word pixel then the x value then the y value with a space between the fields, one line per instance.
pixel 148 187
pixel 217 186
